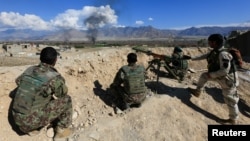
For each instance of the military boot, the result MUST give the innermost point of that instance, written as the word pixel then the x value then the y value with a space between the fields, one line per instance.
pixel 194 92
pixel 118 111
pixel 35 132
pixel 62 133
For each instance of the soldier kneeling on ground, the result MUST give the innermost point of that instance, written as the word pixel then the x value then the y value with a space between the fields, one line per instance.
pixel 128 88
pixel 41 98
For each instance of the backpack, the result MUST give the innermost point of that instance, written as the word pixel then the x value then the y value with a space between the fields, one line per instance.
pixel 237 58
pixel 134 81
pixel 236 62
pixel 32 93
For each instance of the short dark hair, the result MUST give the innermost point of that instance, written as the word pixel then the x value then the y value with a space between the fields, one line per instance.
pixel 132 58
pixel 218 38
pixel 48 55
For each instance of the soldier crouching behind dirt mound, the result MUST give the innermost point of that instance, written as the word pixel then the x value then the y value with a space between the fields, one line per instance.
pixel 128 87
pixel 179 64
pixel 41 98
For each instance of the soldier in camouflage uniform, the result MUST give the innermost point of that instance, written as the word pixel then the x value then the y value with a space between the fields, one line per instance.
pixel 41 98
pixel 179 65
pixel 220 69
pixel 128 87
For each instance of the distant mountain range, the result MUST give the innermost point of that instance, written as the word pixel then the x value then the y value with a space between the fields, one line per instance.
pixel 119 33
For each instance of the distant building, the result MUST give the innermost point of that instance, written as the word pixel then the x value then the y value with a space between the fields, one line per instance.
pixel 18 49
pixel 27 49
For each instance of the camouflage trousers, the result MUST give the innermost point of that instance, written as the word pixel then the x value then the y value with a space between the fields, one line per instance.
pixel 229 92
pixel 58 111
pixel 120 97
pixel 134 98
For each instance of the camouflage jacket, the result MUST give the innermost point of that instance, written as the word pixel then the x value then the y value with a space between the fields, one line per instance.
pixel 37 85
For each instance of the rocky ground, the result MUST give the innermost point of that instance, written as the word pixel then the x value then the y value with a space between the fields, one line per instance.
pixel 170 114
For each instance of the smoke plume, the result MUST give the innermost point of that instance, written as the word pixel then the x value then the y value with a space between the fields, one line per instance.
pixel 95 21
pixel 98 17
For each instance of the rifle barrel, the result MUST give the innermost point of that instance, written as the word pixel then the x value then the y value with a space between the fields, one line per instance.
pixel 148 52
pixel 139 49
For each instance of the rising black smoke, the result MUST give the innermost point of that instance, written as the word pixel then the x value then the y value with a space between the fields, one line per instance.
pixel 99 18
pixel 93 23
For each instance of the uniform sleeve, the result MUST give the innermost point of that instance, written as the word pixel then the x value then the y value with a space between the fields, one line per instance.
pixel 27 71
pixel 201 57
pixel 58 86
pixel 225 65
pixel 118 80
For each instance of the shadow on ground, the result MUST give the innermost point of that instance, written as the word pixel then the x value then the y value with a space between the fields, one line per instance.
pixel 183 95
pixel 103 94
pixel 180 93
pixel 244 108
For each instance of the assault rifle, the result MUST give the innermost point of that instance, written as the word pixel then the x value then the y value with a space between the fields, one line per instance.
pixel 160 60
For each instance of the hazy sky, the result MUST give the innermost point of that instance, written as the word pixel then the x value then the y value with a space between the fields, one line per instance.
pixel 83 14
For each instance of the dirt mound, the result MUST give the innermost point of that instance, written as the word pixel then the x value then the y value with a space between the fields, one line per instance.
pixel 170 114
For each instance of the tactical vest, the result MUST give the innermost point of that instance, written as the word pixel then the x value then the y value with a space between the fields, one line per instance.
pixel 134 81
pixel 33 92
pixel 214 62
